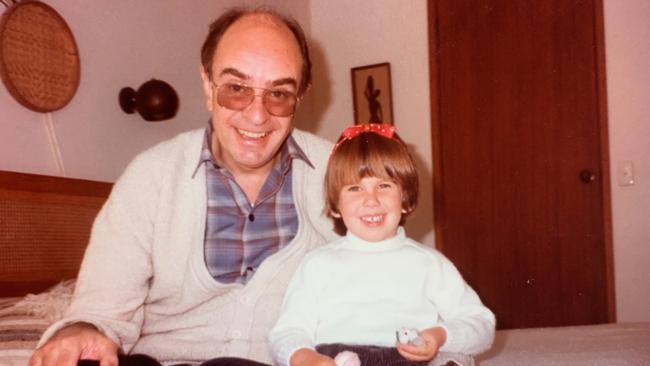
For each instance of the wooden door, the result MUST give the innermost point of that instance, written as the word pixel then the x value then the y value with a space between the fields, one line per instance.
pixel 520 156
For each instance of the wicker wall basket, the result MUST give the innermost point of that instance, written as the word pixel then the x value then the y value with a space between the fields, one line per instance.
pixel 39 59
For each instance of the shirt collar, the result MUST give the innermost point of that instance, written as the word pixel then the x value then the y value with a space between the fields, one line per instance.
pixel 290 150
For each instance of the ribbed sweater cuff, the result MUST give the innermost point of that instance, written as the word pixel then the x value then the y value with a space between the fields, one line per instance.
pixel 285 345
pixel 455 341
pixel 469 338
pixel 62 323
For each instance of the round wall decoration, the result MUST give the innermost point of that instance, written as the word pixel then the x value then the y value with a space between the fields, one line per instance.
pixel 39 59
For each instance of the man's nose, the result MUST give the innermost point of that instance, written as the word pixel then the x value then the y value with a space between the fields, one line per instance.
pixel 256 111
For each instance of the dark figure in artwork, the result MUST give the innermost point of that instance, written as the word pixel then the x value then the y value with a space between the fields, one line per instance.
pixel 374 106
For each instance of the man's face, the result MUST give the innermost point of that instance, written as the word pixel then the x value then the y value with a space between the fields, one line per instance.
pixel 260 53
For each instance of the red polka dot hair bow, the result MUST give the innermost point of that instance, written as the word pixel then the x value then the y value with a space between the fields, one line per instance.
pixel 351 132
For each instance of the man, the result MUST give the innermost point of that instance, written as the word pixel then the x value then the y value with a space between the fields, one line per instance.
pixel 189 258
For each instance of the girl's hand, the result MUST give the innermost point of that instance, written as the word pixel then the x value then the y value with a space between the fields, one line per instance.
pixel 308 357
pixel 433 339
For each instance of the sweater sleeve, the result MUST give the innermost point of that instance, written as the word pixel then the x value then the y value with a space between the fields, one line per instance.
pixel 297 322
pixel 469 324
pixel 113 280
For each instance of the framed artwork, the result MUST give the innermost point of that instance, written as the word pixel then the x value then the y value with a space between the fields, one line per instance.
pixel 371 93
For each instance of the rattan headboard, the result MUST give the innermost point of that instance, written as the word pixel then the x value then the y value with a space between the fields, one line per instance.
pixel 45 224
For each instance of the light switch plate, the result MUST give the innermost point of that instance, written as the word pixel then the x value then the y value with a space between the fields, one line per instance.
pixel 625 173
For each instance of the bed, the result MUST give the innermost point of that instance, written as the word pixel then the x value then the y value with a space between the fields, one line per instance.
pixel 44 228
pixel 588 345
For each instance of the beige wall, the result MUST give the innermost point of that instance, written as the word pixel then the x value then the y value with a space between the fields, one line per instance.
pixel 627 31
pixel 121 43
pixel 126 43
pixel 348 34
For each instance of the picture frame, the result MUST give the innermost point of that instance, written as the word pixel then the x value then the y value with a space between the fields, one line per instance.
pixel 372 94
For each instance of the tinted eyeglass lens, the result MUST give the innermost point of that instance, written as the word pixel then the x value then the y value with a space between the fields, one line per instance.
pixel 279 103
pixel 234 96
pixel 237 97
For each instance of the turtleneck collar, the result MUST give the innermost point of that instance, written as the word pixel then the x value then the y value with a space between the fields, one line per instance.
pixel 354 242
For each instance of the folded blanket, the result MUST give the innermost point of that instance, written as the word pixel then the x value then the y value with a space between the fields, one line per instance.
pixel 23 320
pixel 49 305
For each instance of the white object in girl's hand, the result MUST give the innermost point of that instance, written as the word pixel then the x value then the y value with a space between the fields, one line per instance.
pixel 409 335
pixel 347 358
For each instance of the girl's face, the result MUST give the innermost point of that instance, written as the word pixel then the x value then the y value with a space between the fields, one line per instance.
pixel 371 209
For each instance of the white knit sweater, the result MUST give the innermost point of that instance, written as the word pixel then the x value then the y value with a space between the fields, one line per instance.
pixel 144 282
pixel 358 292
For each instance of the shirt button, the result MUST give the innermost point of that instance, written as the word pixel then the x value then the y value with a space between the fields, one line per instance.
pixel 236 334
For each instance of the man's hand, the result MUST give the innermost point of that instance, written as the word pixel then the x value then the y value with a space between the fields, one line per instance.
pixel 308 357
pixel 433 338
pixel 75 342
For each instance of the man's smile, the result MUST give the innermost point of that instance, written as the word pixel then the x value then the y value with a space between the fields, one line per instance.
pixel 251 134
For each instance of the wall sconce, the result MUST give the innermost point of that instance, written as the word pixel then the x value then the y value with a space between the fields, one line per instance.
pixel 155 100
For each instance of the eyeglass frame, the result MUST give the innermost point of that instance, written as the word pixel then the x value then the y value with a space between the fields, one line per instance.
pixel 265 91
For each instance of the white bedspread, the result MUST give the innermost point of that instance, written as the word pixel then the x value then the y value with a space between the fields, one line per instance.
pixel 590 345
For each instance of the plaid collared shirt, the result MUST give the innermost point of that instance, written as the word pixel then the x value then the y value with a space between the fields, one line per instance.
pixel 240 235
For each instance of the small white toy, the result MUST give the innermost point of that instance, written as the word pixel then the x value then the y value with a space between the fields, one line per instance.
pixel 409 335
pixel 347 358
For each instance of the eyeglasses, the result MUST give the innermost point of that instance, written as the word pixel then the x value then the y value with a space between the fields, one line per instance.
pixel 236 97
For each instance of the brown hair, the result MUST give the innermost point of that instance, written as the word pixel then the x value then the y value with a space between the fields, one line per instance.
pixel 221 25
pixel 370 155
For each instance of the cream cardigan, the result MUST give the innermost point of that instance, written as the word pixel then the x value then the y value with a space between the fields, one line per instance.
pixel 144 282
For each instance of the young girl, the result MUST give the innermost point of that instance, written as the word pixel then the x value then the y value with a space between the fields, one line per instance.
pixel 355 293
